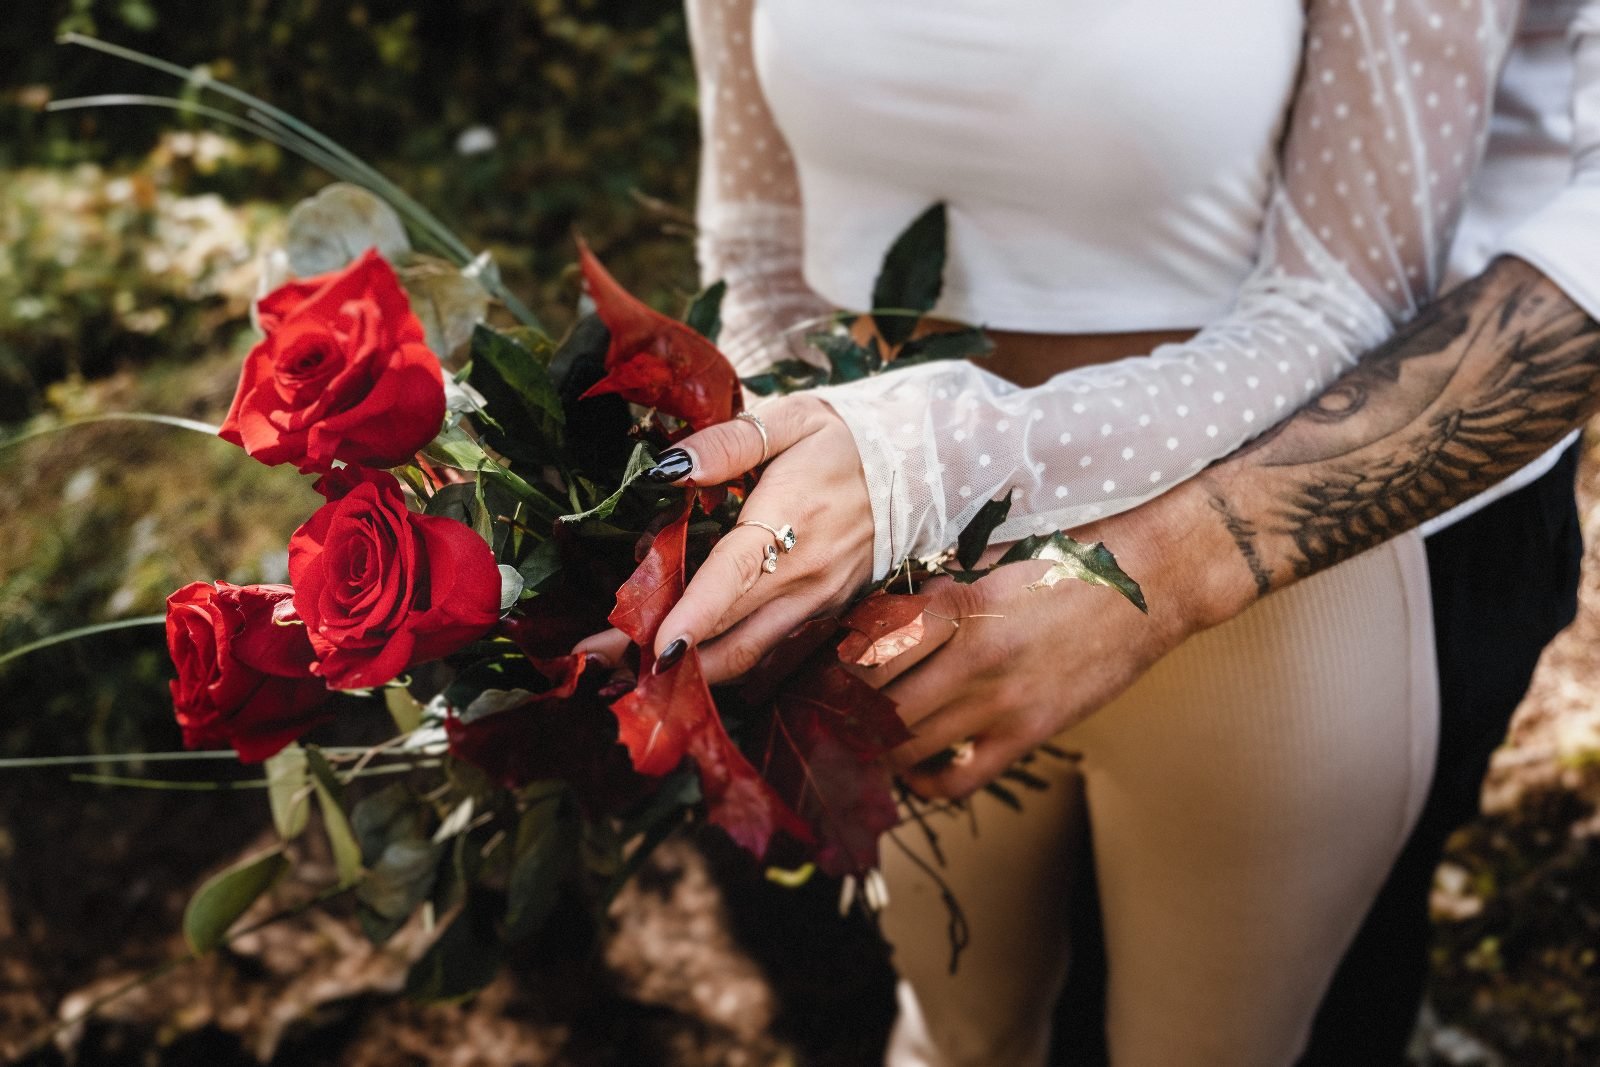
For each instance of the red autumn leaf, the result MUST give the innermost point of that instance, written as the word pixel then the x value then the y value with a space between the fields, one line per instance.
pixel 828 733
pixel 657 718
pixel 565 732
pixel 670 715
pixel 656 361
pixel 882 627
pixel 654 587
pixel 737 798
pixel 783 659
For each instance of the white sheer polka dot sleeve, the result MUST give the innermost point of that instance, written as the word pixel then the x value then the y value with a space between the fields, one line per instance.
pixel 748 212
pixel 1384 133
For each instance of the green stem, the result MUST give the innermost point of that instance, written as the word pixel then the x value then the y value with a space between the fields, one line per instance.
pixel 116 416
pixel 82 631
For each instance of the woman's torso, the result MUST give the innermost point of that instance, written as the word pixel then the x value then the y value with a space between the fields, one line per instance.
pixel 1105 166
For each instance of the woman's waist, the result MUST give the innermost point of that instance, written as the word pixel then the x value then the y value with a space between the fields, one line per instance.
pixel 1032 358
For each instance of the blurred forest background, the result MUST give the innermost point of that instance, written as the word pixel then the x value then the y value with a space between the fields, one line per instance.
pixel 130 241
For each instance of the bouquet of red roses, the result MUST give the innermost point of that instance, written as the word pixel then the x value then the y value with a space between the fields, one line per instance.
pixel 486 507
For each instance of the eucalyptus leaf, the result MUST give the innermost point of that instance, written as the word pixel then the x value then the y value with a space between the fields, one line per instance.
pixel 912 275
pixel 326 232
pixel 330 794
pixel 975 538
pixel 225 896
pixel 288 791
pixel 705 311
pixel 448 303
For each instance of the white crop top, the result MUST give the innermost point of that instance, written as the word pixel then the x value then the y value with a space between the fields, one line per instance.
pixel 1076 203
pixel 1386 125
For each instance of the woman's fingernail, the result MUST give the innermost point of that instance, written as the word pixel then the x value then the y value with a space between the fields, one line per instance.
pixel 673 464
pixel 671 655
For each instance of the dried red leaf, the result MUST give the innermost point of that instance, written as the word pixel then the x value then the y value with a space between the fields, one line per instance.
pixel 783 659
pixel 654 587
pixel 657 361
pixel 882 627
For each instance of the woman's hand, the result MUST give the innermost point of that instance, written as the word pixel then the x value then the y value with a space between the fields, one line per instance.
pixel 733 609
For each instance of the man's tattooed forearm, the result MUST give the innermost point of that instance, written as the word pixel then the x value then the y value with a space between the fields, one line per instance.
pixel 1496 375
pixel 1243 532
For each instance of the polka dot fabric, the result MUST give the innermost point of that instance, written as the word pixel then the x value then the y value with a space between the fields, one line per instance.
pixel 1386 127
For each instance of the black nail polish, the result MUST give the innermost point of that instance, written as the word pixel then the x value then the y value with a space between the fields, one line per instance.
pixel 673 464
pixel 671 655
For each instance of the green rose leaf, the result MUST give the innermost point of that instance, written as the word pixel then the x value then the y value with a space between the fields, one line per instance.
pixel 850 361
pixel 225 896
pixel 520 392
pixel 912 275
pixel 969 342
pixel 544 853
pixel 463 960
pixel 1092 563
pixel 975 538
pixel 786 376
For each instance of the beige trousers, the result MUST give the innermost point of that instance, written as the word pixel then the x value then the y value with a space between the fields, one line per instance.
pixel 1247 798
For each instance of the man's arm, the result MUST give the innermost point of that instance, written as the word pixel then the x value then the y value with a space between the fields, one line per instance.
pixel 1472 390
pixel 1478 386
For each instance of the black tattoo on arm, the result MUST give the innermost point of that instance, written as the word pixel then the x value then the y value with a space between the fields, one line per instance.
pixel 1479 386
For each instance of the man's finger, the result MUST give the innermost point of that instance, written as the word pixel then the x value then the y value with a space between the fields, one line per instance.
pixel 945 728
pixel 723 452
pixel 937 631
pixel 989 757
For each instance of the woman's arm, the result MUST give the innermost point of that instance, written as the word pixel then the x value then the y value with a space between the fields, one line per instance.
pixel 1388 122
pixel 748 207
pixel 1387 125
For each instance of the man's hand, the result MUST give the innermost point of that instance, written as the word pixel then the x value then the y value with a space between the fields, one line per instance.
pixel 1005 667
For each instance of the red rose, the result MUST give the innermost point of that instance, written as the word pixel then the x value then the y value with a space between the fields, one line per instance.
pixel 244 668
pixel 381 588
pixel 342 373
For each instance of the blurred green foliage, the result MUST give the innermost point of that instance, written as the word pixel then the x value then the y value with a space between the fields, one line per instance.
pixel 131 241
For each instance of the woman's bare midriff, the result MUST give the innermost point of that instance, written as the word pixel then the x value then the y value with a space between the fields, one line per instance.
pixel 1031 358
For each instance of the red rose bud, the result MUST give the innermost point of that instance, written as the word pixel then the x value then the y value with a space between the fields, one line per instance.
pixel 381 588
pixel 244 668
pixel 342 374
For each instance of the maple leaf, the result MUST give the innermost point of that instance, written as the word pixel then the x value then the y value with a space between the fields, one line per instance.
pixel 828 733
pixel 656 361
pixel 882 627
pixel 669 715
pixel 654 587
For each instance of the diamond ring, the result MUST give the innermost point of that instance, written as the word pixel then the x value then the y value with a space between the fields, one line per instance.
pixel 783 537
